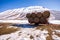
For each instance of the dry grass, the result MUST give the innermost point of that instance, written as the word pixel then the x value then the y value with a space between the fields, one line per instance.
pixel 5 30
pixel 50 28
pixel 49 38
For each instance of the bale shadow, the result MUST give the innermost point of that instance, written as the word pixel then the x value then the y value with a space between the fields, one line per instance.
pixel 24 25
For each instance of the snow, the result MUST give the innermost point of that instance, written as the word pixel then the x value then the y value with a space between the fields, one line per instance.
pixel 55 37
pixel 57 31
pixel 54 21
pixel 26 21
pixel 15 21
pixel 25 34
pixel 20 13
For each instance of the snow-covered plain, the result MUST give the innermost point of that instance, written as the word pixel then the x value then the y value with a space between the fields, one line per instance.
pixel 25 33
pixel 30 34
pixel 26 21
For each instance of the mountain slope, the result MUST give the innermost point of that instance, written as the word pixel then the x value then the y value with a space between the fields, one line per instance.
pixel 20 13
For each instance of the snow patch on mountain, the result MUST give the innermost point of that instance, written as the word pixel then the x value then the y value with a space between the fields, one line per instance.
pixel 20 13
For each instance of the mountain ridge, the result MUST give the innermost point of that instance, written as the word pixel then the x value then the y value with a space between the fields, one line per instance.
pixel 20 13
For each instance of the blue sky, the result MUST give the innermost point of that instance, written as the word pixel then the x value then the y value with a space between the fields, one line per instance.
pixel 12 4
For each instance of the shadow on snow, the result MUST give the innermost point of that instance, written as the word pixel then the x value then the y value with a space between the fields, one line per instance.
pixel 25 25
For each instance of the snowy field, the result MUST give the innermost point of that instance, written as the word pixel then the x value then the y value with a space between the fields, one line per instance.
pixel 26 21
pixel 31 34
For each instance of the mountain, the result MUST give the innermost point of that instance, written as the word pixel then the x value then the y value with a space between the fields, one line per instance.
pixel 56 14
pixel 20 13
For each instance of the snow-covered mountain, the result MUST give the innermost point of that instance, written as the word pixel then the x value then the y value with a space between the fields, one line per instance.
pixel 20 13
pixel 56 14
